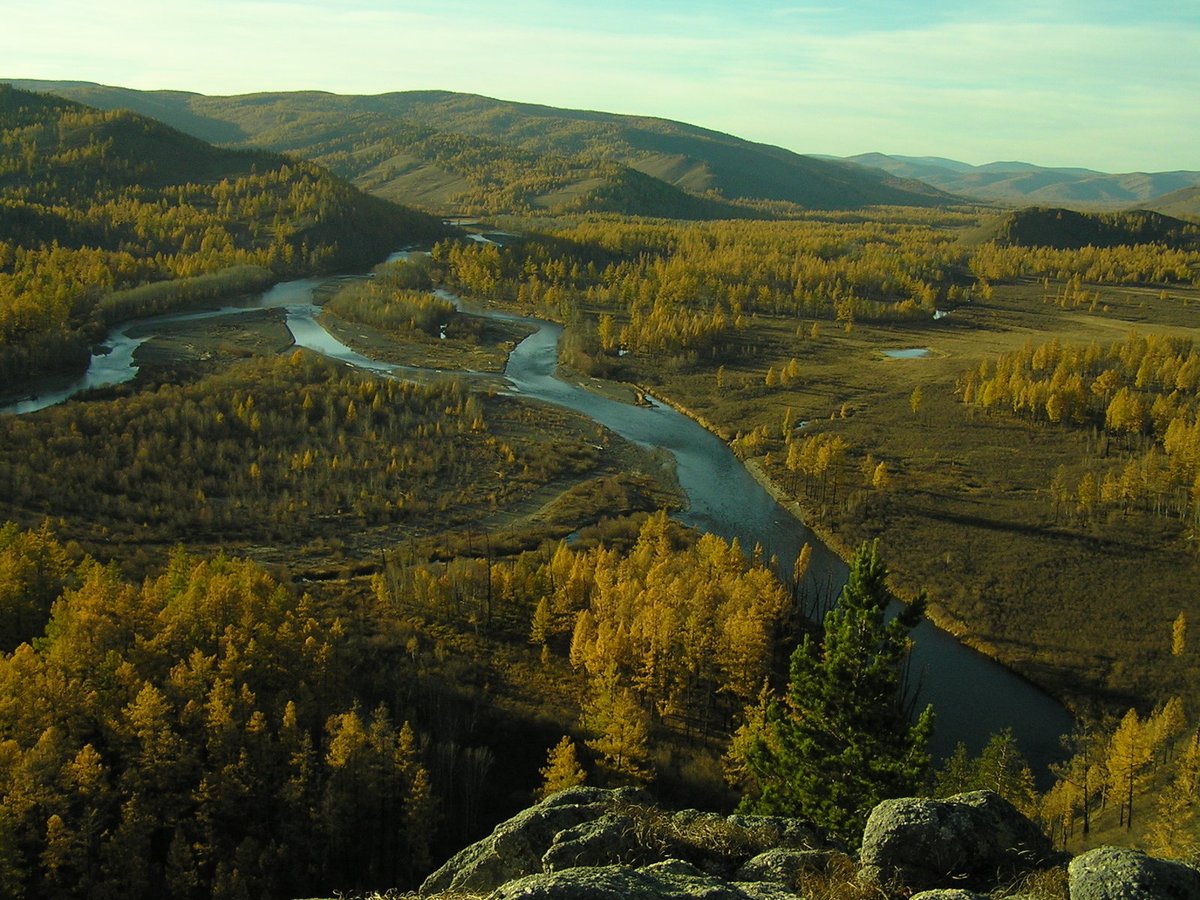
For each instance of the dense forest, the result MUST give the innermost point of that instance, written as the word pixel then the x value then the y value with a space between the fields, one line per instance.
pixel 202 734
pixel 686 292
pixel 280 451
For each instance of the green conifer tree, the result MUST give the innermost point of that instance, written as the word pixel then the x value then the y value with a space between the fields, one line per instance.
pixel 1002 768
pixel 841 740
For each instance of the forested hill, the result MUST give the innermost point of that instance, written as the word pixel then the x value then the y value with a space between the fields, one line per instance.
pixel 451 152
pixel 1065 229
pixel 93 203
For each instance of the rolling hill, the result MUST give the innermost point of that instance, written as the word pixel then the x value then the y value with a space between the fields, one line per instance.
pixel 64 158
pixel 1066 229
pixel 456 153
pixel 1184 202
pixel 1021 184
pixel 94 202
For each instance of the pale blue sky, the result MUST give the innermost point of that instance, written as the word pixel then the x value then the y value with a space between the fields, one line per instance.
pixel 1108 85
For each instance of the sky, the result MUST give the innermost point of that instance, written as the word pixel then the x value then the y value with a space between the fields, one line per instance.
pixel 1112 85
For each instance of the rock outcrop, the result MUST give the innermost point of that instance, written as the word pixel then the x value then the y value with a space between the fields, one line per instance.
pixel 516 847
pixel 1118 873
pixel 977 840
pixel 658 881
pixel 593 844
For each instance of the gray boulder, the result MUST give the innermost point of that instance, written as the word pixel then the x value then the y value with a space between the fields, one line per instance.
pixel 610 839
pixel 975 840
pixel 668 880
pixel 516 847
pixel 1118 873
pixel 784 865
pixel 948 894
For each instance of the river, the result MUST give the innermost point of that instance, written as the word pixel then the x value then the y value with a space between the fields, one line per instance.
pixel 972 695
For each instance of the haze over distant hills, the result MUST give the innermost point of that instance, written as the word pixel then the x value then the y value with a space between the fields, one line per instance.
pixel 1022 183
pixel 454 152
pixel 463 153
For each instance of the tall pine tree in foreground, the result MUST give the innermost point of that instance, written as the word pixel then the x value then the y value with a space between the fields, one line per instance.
pixel 841 739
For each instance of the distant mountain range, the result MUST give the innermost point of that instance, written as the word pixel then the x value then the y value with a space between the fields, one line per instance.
pixel 1024 184
pixel 450 153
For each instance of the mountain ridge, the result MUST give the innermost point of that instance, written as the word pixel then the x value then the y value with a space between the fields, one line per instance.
pixel 1021 183
pixel 407 146
pixel 457 152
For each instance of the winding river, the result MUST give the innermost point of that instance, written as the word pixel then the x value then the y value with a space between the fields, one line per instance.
pixel 972 695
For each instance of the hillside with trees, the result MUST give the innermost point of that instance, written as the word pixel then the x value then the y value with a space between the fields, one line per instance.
pixel 462 153
pixel 1064 229
pixel 95 203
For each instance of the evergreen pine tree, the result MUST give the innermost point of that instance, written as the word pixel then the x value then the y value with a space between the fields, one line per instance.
pixel 1002 768
pixel 841 739
pixel 956 775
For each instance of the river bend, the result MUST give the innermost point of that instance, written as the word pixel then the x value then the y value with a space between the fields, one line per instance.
pixel 972 695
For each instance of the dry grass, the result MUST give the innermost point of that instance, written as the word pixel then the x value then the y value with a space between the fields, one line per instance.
pixel 1088 607
pixel 1047 884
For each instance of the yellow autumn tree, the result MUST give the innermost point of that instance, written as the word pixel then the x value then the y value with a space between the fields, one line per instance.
pixel 1129 753
pixel 1174 832
pixel 562 769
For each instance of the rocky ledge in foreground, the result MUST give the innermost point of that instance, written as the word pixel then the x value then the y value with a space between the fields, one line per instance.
pixel 593 844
